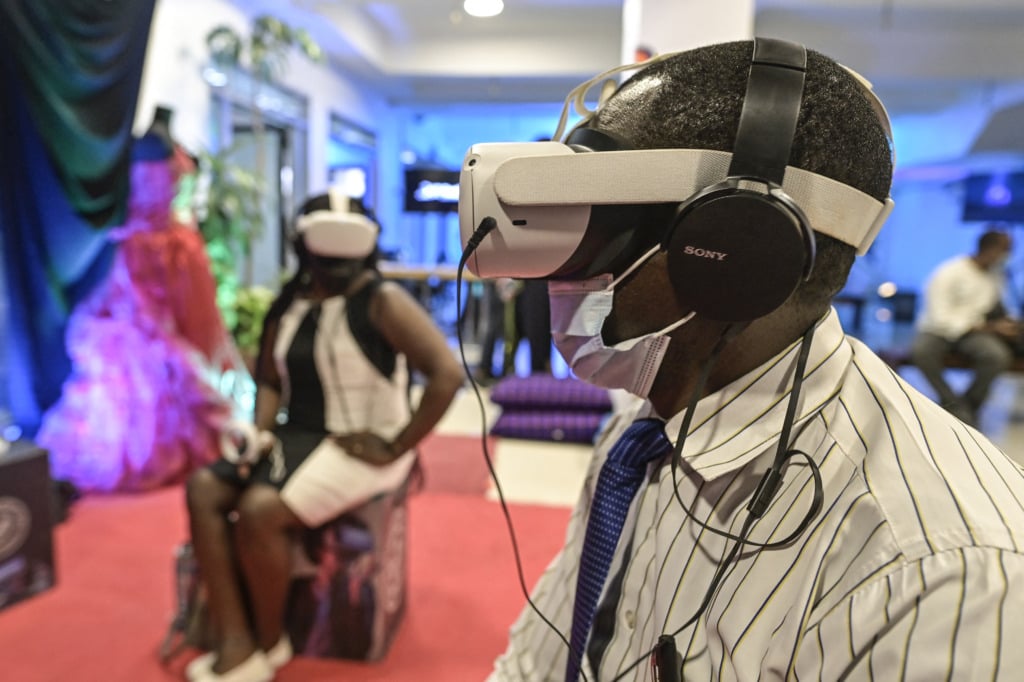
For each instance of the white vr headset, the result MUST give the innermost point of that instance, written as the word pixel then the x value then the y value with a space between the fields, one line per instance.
pixel 339 232
pixel 543 195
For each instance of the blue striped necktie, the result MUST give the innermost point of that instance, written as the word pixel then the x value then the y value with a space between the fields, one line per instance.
pixel 617 484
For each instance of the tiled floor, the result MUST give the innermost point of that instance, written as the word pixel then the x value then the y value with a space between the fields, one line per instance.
pixel 530 472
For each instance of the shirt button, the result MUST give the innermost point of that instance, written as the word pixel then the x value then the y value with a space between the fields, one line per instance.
pixel 630 619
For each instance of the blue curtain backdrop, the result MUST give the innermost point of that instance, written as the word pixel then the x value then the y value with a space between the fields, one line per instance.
pixel 69 80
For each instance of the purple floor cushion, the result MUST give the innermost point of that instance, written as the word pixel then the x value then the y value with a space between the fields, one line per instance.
pixel 567 427
pixel 545 391
pixel 541 407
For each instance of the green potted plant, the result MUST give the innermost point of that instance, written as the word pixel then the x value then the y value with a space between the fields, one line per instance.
pixel 266 50
pixel 264 54
pixel 230 217
pixel 251 305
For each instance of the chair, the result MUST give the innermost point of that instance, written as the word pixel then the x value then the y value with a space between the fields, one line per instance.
pixel 348 590
pixel 352 601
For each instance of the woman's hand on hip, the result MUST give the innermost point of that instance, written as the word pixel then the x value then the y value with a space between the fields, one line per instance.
pixel 368 447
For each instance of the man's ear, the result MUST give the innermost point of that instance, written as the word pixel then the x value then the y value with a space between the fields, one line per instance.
pixel 669 296
pixel 645 302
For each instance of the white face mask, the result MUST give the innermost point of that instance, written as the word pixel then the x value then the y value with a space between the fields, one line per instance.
pixel 578 312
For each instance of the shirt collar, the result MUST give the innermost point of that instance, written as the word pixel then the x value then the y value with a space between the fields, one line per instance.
pixel 744 419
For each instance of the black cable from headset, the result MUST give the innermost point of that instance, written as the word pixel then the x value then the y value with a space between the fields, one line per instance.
pixel 708 595
pixel 741 540
pixel 764 492
pixel 759 503
pixel 772 478
pixel 485 227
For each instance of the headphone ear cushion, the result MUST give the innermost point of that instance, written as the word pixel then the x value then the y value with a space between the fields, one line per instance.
pixel 736 255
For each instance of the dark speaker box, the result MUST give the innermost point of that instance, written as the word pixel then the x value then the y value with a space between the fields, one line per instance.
pixel 26 525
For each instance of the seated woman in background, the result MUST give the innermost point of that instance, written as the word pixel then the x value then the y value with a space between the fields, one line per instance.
pixel 333 356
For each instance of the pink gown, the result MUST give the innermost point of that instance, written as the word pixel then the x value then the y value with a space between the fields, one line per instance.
pixel 141 408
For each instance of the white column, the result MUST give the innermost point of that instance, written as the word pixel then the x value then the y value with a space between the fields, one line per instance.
pixel 673 25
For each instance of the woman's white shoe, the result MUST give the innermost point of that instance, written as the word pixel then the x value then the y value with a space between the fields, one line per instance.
pixel 256 668
pixel 277 656
pixel 199 666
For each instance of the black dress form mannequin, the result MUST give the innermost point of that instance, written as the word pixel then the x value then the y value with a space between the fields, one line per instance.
pixel 156 143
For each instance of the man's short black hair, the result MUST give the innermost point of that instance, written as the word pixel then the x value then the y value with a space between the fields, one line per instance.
pixel 693 101
pixel 991 239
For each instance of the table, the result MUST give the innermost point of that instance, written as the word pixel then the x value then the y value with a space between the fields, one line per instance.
pixel 427 282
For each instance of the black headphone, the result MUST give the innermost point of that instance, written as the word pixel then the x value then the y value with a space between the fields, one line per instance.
pixel 739 248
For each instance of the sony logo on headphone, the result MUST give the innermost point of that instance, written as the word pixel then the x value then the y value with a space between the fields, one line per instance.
pixel 704 253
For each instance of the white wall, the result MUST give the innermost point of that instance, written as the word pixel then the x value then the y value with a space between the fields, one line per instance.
pixel 175 57
pixel 172 77
pixel 327 92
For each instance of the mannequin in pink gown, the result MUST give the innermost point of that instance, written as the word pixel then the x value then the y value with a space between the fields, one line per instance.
pixel 141 408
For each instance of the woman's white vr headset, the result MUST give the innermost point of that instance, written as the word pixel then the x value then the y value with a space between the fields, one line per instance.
pixel 339 232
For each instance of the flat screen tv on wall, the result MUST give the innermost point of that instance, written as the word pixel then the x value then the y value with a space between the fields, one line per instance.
pixel 430 190
pixel 994 197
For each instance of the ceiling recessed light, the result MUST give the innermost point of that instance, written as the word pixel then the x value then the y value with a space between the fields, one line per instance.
pixel 483 8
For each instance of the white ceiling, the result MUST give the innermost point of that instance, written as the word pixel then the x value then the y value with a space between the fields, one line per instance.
pixel 923 55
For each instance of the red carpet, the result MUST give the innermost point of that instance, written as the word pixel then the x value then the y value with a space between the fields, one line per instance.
pixel 455 464
pixel 114 598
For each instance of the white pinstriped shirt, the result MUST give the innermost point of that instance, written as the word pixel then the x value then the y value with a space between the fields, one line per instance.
pixel 912 570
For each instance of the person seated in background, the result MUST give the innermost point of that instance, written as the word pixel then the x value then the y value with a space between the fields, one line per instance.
pixel 963 313
pixel 333 356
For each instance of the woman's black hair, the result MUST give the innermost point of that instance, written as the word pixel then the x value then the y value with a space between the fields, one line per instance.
pixel 301 278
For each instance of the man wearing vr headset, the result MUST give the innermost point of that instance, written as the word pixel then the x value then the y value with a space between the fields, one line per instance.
pixel 786 506
pixel 333 357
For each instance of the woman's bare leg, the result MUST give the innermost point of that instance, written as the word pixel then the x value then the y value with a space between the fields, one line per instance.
pixel 265 528
pixel 209 502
